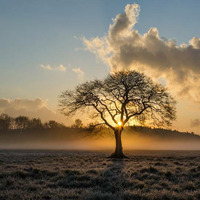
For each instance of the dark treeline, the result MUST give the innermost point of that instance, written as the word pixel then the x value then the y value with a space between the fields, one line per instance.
pixel 31 133
pixel 25 123
pixel 160 133
pixel 32 125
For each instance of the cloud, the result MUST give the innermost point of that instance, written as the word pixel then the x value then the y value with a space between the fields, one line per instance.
pixel 58 68
pixel 79 72
pixel 195 123
pixel 125 48
pixel 27 107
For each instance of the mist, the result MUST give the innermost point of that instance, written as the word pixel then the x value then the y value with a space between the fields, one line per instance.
pixel 78 139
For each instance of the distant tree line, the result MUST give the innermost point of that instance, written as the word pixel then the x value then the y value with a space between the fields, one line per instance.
pixel 161 132
pixel 26 123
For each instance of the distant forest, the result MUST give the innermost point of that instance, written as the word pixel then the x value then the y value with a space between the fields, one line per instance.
pixel 24 124
pixel 31 133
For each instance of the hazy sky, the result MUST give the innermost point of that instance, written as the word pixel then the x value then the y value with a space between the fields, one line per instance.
pixel 48 46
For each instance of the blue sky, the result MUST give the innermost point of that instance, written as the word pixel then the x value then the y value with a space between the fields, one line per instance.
pixel 48 32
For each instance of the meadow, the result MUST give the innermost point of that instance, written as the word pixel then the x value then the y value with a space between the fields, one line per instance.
pixel 90 175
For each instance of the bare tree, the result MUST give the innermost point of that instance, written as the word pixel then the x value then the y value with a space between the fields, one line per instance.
pixel 120 98
pixel 5 122
pixel 53 125
pixel 35 123
pixel 77 124
pixel 22 122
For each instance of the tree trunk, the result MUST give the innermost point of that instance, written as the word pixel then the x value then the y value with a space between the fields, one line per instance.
pixel 118 153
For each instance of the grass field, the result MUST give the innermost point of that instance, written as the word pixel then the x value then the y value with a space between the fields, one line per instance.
pixel 91 175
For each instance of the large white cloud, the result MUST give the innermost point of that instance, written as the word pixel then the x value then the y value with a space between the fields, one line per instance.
pixel 124 48
pixel 27 107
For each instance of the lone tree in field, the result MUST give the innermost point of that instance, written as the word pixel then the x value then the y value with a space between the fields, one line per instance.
pixel 120 98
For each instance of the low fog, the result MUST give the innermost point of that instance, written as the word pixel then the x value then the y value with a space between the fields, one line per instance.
pixel 79 139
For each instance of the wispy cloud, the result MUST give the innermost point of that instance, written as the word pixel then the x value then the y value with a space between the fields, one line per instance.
pixel 125 48
pixel 54 68
pixel 79 72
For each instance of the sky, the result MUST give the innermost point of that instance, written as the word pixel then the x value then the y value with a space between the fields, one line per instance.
pixel 49 46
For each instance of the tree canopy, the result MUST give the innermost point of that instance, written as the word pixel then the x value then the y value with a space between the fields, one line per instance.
pixel 122 96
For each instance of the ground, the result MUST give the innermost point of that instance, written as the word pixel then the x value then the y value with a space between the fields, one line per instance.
pixel 90 175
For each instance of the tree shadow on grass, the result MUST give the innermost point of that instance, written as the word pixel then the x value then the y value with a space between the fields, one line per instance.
pixel 109 185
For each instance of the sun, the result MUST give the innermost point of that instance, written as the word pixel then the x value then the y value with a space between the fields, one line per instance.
pixel 119 123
